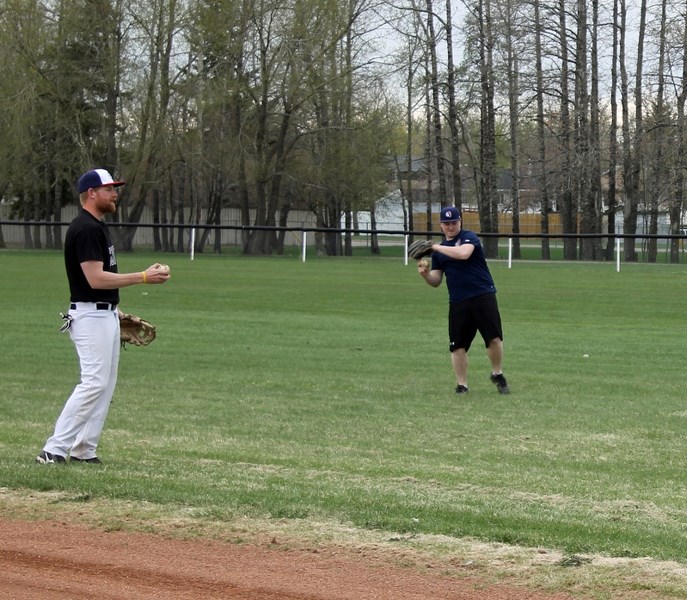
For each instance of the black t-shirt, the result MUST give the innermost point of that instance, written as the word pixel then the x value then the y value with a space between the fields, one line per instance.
pixel 88 239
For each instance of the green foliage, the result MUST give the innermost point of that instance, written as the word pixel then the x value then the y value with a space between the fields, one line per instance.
pixel 323 390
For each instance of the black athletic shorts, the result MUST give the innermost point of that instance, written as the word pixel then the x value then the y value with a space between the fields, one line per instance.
pixel 466 318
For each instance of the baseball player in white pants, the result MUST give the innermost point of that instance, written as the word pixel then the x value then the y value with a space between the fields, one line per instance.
pixel 92 320
pixel 95 334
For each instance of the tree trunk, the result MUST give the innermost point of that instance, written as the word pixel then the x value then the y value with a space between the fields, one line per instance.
pixel 513 66
pixel 488 201
pixel 632 146
pixel 436 105
pixel 567 200
pixel 613 140
pixel 408 193
pixel 591 247
pixel 679 184
pixel 428 158
pixel 661 125
pixel 374 238
pixel 181 188
pixel 453 113
pixel 541 136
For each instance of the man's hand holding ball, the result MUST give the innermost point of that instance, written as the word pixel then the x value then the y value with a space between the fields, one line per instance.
pixel 157 273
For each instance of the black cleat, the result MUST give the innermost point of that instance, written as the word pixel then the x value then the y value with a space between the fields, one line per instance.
pixel 45 458
pixel 462 389
pixel 91 461
pixel 500 382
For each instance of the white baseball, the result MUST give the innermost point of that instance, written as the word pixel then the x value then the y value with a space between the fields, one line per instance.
pixel 164 268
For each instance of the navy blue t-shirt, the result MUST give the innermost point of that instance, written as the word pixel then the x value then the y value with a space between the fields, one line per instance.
pixel 88 239
pixel 465 278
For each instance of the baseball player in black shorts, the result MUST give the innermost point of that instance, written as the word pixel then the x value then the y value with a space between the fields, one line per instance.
pixel 472 298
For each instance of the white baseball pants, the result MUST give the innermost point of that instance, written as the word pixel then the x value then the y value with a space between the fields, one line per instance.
pixel 95 334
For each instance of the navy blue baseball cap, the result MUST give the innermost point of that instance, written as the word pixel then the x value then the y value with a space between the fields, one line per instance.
pixel 96 178
pixel 449 214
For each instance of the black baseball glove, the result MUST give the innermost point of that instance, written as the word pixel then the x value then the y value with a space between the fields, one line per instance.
pixel 420 248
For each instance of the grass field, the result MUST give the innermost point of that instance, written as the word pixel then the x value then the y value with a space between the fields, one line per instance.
pixel 321 392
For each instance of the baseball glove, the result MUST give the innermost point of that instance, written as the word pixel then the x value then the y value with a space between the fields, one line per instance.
pixel 420 248
pixel 136 331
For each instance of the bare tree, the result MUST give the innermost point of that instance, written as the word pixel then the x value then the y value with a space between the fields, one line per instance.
pixel 453 121
pixel 613 138
pixel 588 130
pixel 568 200
pixel 508 17
pixel 159 20
pixel 660 175
pixel 412 49
pixel 488 201
pixel 632 141
pixel 541 133
pixel 430 165
pixel 436 113
pixel 677 202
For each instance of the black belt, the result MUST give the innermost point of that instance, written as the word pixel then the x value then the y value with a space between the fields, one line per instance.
pixel 98 306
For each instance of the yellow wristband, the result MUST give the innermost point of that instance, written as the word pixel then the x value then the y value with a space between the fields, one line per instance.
pixel 145 278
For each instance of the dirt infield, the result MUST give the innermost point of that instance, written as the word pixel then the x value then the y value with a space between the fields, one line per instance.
pixel 58 560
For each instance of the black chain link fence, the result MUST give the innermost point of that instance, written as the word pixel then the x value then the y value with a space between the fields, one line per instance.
pixel 311 242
